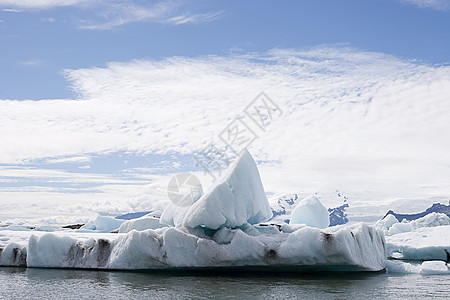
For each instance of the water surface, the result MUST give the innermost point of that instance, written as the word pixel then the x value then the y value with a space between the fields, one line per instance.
pixel 31 283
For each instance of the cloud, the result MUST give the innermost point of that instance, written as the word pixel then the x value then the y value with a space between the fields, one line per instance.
pixel 32 63
pixel 42 4
pixel 435 4
pixel 10 10
pixel 112 14
pixel 196 18
pixel 70 159
pixel 121 13
pixel 49 20
pixel 29 192
pixel 363 122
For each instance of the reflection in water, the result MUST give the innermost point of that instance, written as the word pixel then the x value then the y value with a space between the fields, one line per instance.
pixel 58 283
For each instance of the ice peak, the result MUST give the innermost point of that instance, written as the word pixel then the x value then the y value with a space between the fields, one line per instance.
pixel 238 198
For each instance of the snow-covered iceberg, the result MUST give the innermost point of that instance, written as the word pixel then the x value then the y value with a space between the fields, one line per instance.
pixel 237 199
pixel 173 215
pixel 431 267
pixel 426 243
pixel 310 212
pixel 140 224
pixel 102 224
pixel 425 238
pixel 354 248
pixel 391 226
pixel 220 230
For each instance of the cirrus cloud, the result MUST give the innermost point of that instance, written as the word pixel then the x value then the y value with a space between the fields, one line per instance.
pixel 435 4
pixel 357 121
pixel 114 13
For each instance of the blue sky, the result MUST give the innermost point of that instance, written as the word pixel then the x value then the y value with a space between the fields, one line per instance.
pixel 39 41
pixel 123 93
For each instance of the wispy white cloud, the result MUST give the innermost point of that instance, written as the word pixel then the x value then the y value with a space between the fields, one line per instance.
pixel 72 196
pixel 193 18
pixel 360 121
pixel 111 14
pixel 70 159
pixel 49 20
pixel 118 14
pixel 13 10
pixel 42 4
pixel 32 63
pixel 434 4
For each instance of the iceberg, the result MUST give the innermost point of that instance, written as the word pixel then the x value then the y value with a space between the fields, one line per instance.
pixel 425 238
pixel 173 215
pixel 238 198
pixel 220 230
pixel 426 243
pixel 400 228
pixel 386 223
pixel 140 224
pixel 391 226
pixel 431 267
pixel 434 268
pixel 102 224
pixel 310 212
pixel 135 215
pixel 353 248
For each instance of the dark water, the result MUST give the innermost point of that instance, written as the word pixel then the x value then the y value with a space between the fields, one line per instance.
pixel 21 283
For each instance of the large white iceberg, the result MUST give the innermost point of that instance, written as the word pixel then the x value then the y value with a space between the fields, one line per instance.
pixel 310 212
pixel 220 230
pixel 353 248
pixel 237 199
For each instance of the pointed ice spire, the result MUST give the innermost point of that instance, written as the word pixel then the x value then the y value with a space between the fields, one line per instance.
pixel 238 198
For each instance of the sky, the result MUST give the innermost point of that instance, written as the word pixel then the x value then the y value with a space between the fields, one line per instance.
pixel 102 102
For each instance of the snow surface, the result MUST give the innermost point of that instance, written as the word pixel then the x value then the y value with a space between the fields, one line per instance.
pixel 140 224
pixel 391 226
pixel 238 198
pixel 282 207
pixel 357 247
pixel 102 224
pixel 310 212
pixel 432 267
pixel 173 215
pixel 426 243
pixel 421 239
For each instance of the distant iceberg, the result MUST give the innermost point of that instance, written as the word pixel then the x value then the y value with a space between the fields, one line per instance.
pixel 283 205
pixel 140 224
pixel 430 267
pixel 310 212
pixel 425 238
